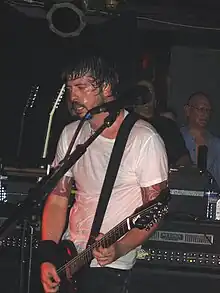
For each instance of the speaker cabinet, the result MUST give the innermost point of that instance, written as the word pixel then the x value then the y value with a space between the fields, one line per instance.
pixel 161 281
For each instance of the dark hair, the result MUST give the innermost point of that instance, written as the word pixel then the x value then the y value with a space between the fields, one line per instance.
pixel 196 94
pixel 100 68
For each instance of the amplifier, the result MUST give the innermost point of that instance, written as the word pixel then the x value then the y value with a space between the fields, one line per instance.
pixel 187 188
pixel 183 244
pixel 193 193
pixel 202 204
pixel 14 240
pixel 187 202
pixel 16 182
pixel 188 178
pixel 16 190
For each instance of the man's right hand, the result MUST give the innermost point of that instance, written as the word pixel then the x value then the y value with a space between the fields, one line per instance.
pixel 49 278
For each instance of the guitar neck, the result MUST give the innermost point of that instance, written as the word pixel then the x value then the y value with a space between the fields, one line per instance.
pixel 55 106
pixel 47 138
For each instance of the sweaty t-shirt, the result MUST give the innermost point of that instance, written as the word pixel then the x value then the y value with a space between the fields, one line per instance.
pixel 144 163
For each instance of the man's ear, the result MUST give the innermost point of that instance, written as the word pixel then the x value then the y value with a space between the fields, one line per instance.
pixel 107 90
pixel 186 110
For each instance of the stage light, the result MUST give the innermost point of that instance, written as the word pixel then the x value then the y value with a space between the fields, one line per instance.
pixel 66 19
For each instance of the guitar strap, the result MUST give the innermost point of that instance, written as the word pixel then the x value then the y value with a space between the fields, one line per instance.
pixel 111 173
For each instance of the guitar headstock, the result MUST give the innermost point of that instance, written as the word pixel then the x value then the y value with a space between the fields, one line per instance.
pixel 54 107
pixel 147 215
pixel 31 99
pixel 58 99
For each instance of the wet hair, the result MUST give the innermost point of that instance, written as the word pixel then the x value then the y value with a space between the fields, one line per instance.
pixel 197 94
pixel 101 68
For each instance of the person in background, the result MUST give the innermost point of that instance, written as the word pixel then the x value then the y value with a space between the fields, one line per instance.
pixel 177 152
pixel 198 111
pixel 142 176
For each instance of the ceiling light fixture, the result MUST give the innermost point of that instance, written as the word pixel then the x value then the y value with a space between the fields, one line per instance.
pixel 66 19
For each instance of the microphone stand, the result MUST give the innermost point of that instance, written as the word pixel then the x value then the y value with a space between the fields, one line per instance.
pixel 28 228
pixel 46 185
pixel 25 224
pixel 82 121
pixel 29 104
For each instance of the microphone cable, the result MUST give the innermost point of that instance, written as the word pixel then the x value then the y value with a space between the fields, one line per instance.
pixel 88 116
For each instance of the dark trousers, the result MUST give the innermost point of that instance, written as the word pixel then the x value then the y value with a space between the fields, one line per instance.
pixel 103 280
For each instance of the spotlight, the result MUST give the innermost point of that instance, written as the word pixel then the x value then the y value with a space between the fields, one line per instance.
pixel 66 19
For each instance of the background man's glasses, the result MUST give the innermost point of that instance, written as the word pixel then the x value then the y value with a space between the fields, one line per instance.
pixel 201 109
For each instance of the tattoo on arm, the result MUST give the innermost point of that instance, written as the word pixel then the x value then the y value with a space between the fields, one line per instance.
pixel 63 187
pixel 151 192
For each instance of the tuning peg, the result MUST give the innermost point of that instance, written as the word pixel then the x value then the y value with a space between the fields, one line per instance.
pixel 156 219
pixel 151 224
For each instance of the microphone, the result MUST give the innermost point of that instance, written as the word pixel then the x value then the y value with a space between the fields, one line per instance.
pixel 137 95
pixel 202 158
pixel 112 106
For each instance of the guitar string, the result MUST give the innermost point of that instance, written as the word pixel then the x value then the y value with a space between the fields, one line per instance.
pixel 94 245
pixel 79 261
pixel 84 255
pixel 114 231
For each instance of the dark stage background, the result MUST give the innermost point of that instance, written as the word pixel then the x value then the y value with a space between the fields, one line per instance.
pixel 33 55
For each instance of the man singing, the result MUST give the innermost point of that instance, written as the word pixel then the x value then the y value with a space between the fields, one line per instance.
pixel 141 177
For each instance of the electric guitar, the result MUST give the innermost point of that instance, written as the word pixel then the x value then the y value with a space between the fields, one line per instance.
pixel 49 125
pixel 143 218
pixel 29 105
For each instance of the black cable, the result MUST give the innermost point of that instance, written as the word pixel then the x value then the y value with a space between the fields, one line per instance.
pixel 82 121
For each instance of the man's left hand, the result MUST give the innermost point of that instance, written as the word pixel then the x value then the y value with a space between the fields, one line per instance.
pixel 106 256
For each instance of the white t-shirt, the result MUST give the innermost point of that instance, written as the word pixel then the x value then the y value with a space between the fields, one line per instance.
pixel 144 163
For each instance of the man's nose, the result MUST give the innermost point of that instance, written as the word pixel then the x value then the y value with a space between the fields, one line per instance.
pixel 206 112
pixel 74 94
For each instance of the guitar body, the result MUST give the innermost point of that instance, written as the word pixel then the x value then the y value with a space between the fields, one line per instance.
pixel 67 252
